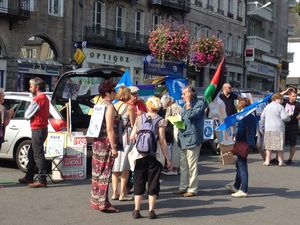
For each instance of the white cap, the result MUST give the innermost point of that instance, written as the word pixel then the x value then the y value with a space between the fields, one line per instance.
pixel 133 89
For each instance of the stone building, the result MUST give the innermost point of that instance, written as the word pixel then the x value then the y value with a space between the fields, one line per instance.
pixel 35 40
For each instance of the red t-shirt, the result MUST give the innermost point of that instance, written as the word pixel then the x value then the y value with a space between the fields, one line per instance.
pixel 139 105
pixel 40 118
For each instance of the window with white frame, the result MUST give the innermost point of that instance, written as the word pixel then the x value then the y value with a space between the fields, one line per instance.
pixel 156 19
pixel 207 32
pixel 55 7
pixel 221 4
pixel 228 44
pixel 238 47
pixel 31 5
pixel 197 32
pixel 97 17
pixel 230 6
pixel 219 34
pixel 120 14
pixel 239 8
pixel 139 25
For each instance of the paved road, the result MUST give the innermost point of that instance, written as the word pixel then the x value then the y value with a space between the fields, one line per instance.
pixel 274 198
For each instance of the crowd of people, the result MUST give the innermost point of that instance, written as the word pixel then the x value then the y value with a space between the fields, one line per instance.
pixel 136 142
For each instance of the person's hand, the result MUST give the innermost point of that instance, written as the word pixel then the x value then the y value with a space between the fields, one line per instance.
pixel 138 113
pixel 114 153
pixel 169 165
pixel 11 112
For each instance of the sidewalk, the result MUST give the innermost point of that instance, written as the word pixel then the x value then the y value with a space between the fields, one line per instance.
pixel 274 198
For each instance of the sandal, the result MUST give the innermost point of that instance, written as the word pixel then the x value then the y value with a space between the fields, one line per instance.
pixel 114 197
pixel 125 198
pixel 110 209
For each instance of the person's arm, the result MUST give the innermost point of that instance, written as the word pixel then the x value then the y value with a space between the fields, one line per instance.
pixel 109 118
pixel 31 110
pixel 285 117
pixel 163 145
pixel 134 131
pixel 193 112
pixel 131 114
pixel 241 130
pixel 285 91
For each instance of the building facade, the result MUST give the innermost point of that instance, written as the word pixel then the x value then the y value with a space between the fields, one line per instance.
pixel 266 42
pixel 42 40
pixel 35 40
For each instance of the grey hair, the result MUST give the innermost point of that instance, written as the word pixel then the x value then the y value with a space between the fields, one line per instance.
pixel 38 82
pixel 191 89
pixel 1 92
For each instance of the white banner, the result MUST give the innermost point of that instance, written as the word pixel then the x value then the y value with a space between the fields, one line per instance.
pixel 208 129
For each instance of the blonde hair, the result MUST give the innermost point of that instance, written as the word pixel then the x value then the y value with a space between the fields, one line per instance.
pixel 276 96
pixel 153 104
pixel 123 94
pixel 243 102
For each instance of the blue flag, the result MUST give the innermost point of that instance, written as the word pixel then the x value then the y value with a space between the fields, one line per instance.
pixel 232 119
pixel 124 81
pixel 175 86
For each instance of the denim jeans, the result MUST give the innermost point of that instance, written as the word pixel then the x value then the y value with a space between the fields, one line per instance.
pixel 241 178
pixel 36 155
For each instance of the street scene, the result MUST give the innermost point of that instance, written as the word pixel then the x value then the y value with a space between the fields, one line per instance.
pixel 177 111
pixel 273 198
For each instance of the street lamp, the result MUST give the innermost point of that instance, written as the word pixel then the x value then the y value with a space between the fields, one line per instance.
pixel 246 33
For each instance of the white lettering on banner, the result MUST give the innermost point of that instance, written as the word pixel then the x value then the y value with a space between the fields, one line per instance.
pixel 261 69
pixel 98 56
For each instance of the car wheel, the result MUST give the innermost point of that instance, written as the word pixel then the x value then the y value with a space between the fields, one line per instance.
pixel 22 155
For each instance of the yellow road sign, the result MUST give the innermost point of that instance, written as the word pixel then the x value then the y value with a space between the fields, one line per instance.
pixel 79 56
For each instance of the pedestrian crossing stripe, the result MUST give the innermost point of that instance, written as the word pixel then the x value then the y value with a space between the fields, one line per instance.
pixel 79 56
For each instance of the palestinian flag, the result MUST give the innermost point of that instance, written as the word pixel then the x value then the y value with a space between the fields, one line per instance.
pixel 215 84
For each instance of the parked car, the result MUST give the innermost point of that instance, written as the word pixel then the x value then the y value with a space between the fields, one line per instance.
pixel 79 88
pixel 17 138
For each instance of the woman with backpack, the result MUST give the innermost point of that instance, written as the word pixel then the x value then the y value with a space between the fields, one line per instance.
pixel 121 165
pixel 146 160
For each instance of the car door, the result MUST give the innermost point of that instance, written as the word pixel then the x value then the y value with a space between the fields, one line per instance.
pixel 17 128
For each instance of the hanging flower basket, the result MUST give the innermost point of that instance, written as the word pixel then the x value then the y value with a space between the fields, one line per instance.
pixel 169 41
pixel 207 51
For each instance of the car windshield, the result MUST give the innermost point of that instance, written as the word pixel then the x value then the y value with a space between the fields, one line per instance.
pixel 79 90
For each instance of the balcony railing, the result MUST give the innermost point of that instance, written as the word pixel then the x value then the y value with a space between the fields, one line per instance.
pixel 255 10
pixel 259 43
pixel 181 5
pixel 116 39
pixel 15 9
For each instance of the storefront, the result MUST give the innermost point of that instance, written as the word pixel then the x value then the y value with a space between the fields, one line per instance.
pixel 261 76
pixel 97 58
pixel 48 71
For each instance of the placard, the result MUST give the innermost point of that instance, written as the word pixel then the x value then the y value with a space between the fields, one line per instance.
pixel 208 129
pixel 74 163
pixel 96 121
pixel 55 144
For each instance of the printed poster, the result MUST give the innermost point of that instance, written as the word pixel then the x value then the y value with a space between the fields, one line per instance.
pixel 208 129
pixel 74 163
pixel 55 144
pixel 96 121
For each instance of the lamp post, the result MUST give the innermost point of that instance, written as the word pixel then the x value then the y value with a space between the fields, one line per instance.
pixel 246 34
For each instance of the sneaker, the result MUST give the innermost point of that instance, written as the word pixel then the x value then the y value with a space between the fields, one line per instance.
pixel 289 162
pixel 136 214
pixel 170 173
pixel 152 215
pixel 231 188
pixel 239 194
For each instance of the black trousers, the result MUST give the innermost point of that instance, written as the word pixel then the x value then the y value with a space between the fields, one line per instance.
pixel 36 155
pixel 147 169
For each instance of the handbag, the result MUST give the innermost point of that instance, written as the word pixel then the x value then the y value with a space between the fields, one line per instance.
pixel 241 148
